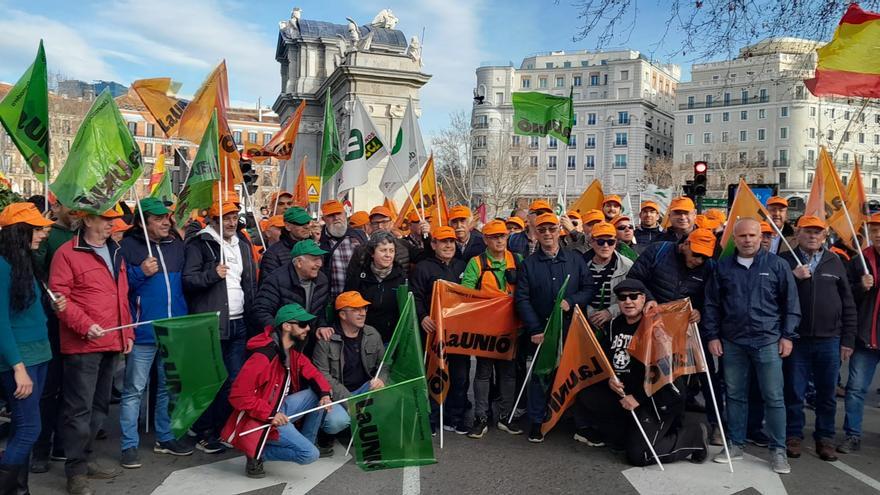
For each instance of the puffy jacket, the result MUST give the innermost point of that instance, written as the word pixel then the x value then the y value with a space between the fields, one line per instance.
pixel 646 236
pixel 148 296
pixel 282 287
pixel 539 279
pixel 624 265
pixel 94 296
pixel 753 306
pixel 867 302
pixel 329 359
pixel 277 255
pixel 519 243
pixel 205 291
pixel 383 311
pixel 259 390
pixel 425 274
pixel 664 272
pixel 474 247
pixel 827 305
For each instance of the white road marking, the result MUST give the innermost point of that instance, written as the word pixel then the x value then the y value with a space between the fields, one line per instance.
pixel 685 478
pixel 855 473
pixel 412 484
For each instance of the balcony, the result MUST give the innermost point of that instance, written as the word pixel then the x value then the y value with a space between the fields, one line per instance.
pixel 620 123
pixel 721 103
pixel 781 163
pixel 481 125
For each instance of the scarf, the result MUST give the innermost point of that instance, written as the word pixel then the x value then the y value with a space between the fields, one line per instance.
pixel 381 273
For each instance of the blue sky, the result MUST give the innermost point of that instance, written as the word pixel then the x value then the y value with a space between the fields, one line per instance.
pixel 124 40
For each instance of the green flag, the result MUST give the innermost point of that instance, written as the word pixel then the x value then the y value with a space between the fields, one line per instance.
pixel 404 357
pixel 625 250
pixel 24 114
pixel 331 157
pixel 548 356
pixel 198 192
pixel 194 370
pixel 539 114
pixel 104 161
pixel 390 426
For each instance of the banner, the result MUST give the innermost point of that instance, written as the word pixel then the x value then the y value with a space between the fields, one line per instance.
pixel 583 363
pixel 591 199
pixel 407 155
pixel 847 66
pixel 24 113
pixel 826 193
pixel 745 205
pixel 160 181
pixel 547 359
pixel 666 343
pixel 301 188
pixel 475 322
pixel 390 427
pixel 428 197
pixel 194 370
pixel 198 192
pixel 364 149
pixel 540 114
pixel 282 143
pixel 437 373
pixel 103 162
pixel 856 204
pixel 660 196
pixel 158 95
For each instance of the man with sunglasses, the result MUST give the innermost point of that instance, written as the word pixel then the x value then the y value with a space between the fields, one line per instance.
pixel 526 242
pixel 540 277
pixel 572 236
pixel 607 268
pixel 626 237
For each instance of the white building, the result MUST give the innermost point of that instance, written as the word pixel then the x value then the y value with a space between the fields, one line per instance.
pixel 753 116
pixel 623 105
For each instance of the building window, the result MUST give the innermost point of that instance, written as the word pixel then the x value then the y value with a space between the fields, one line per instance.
pixel 725 117
pixel 589 162
pixel 574 121
pixel 252 137
pixel 236 136
pixel 764 97
pixel 846 115
pixel 479 141
pixel 526 82
pixel 133 128
pixel 861 138
pixel 813 134
pixel 744 115
pixel 533 161
pixel 690 102
pixel 813 112
pixel 725 136
pixel 783 112
pixel 594 80
pixel 743 156
pixel 266 138
pixel 514 141
pixel 514 162
pixel 762 113
pixel 783 157
pixel 619 161
pixel 783 180
pixel 542 82
pixel 551 163
pixel 572 141
pixel 744 96
pixel 707 118
pixel 762 134
pixel 809 178
pixel 623 117
pixel 624 75
pixel 846 158
pixel 846 136
pixel 689 139
pixel 572 163
pixel 811 155
pixel 151 130
pixel 690 119
pixel 591 141
pixel 620 139
pixel 148 149
pixel 707 138
pixel 831 134
pixel 533 142
pixel 567 65
pixel 577 80
pixel 560 82
pixel 552 143
pixel 591 119
pixel 877 139
pixel 726 99
pixel 743 136
pixel 479 162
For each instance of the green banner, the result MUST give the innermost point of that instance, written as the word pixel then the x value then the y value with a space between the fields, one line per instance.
pixel 103 163
pixel 403 357
pixel 331 157
pixel 194 370
pixel 24 113
pixel 198 192
pixel 548 356
pixel 625 250
pixel 540 114
pixel 390 426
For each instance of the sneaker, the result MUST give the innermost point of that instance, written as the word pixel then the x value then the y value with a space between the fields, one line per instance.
pixel 433 430
pixel 511 428
pixel 758 439
pixel 79 485
pixel 129 458
pixel 58 454
pixel 535 435
pixel 211 446
pixel 254 468
pixel 39 465
pixel 851 444
pixel 736 454
pixel 461 428
pixel 172 447
pixel 715 438
pixel 699 456
pixel 480 427
pixel 448 428
pixel 587 436
pixel 793 447
pixel 98 472
pixel 325 451
pixel 779 462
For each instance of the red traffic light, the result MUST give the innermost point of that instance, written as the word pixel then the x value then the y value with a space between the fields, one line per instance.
pixel 700 167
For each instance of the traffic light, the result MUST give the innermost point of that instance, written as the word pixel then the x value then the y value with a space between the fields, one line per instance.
pixel 249 175
pixel 688 189
pixel 700 179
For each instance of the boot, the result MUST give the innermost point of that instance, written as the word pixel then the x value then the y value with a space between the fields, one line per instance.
pixel 8 479
pixel 825 450
pixel 254 468
pixel 79 485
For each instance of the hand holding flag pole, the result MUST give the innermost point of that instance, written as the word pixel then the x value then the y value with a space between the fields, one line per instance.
pixel 301 413
pixel 639 424
pixel 781 237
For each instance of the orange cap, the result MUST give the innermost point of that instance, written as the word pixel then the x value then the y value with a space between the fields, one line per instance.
pixel 539 205
pixel 414 216
pixel 381 210
pixel 276 221
pixel 573 214
pixel 459 211
pixel 118 225
pixel 649 204
pixel 777 201
pixel 766 228
pixel 603 229
pixel 682 203
pixel 717 215
pixel 23 212
pixel 495 227
pixel 228 207
pixel 612 198
pixel 702 242
pixel 351 299
pixel 264 224
pixel 359 219
pixel 811 221
pixel 593 216
pixel 518 221
pixel 874 219
pixel 704 222
pixel 441 233
pixel 619 219
pixel 547 218
pixel 332 207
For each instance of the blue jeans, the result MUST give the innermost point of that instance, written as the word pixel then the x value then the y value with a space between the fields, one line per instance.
pixel 298 446
pixel 861 371
pixel 768 369
pixel 338 419
pixel 25 415
pixel 818 358
pixel 137 379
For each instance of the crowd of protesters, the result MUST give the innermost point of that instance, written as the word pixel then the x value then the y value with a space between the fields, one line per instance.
pixel 307 306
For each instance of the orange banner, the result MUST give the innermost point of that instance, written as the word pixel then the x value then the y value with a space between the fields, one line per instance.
pixel 591 199
pixel 281 144
pixel 435 372
pixel 666 343
pixel 475 322
pixel 301 189
pixel 158 95
pixel 583 363
pixel 428 197
pixel 856 204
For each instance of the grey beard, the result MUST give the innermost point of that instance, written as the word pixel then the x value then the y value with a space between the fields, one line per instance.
pixel 336 230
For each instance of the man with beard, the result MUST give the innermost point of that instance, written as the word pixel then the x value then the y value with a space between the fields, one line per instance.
pixel 340 241
pixel 649 229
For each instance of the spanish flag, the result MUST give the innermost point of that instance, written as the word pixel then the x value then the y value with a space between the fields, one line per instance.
pixel 848 65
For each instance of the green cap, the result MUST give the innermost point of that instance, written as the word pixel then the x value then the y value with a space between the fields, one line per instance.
pixel 306 246
pixel 154 206
pixel 297 215
pixel 292 312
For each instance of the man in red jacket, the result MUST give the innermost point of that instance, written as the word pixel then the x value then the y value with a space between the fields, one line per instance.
pixel 89 271
pixel 278 381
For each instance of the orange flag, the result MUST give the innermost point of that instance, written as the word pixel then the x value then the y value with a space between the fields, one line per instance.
pixel 745 205
pixel 590 199
pixel 583 363
pixel 281 144
pixel 463 314
pixel 158 95
pixel 436 373
pixel 389 203
pixel 666 343
pixel 827 192
pixel 301 190
pixel 431 194
pixel 856 204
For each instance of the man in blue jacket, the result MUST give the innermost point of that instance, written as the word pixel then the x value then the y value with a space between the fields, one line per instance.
pixel 155 291
pixel 539 278
pixel 752 311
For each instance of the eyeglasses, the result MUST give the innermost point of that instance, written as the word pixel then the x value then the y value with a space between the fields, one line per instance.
pixel 544 230
pixel 630 297
pixel 625 227
pixel 605 242
pixel 496 236
pixel 379 223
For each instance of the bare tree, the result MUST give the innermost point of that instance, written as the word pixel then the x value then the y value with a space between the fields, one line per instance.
pixel 710 28
pixel 661 172
pixel 502 173
pixel 452 157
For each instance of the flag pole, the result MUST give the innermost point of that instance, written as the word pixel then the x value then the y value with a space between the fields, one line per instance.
pixel 781 237
pixel 712 393
pixel 645 436
pixel 393 162
pixel 46 183
pixel 247 197
pixel 143 221
pixel 220 222
pixel 278 192
pixel 301 413
pixel 525 383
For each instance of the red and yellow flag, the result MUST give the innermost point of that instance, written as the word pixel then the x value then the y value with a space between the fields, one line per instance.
pixel 591 199
pixel 666 343
pixel 429 198
pixel 158 173
pixel 301 189
pixel 281 144
pixel 583 363
pixel 848 65
pixel 158 95
pixel 745 205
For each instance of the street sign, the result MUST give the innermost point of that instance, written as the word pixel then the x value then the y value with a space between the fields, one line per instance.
pixel 714 203
pixel 314 182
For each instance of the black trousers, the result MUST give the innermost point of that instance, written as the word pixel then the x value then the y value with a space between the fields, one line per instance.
pixel 672 440
pixel 87 382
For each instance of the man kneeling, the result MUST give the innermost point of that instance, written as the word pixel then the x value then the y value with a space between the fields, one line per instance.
pixel 275 382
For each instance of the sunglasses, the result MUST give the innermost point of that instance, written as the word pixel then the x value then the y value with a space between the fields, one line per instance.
pixel 630 297
pixel 605 242
pixel 544 230
pixel 625 227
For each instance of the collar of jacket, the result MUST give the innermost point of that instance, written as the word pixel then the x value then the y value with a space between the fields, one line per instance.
pixel 138 233
pixel 758 258
pixel 440 262
pixel 650 229
pixel 338 332
pixel 80 244
pixel 560 254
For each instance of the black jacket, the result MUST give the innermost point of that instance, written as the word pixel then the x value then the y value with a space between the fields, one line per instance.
pixel 646 236
pixel 664 272
pixel 277 255
pixel 205 291
pixel 866 301
pixel 383 312
pixel 401 258
pixel 425 274
pixel 539 279
pixel 475 246
pixel 827 305
pixel 282 287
